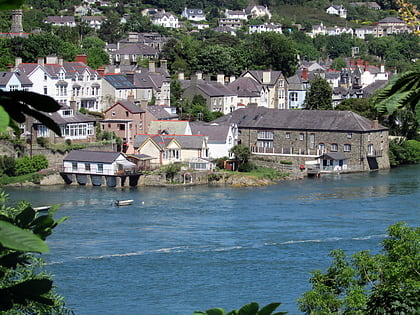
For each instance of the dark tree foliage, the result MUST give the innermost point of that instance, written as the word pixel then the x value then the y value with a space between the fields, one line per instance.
pixel 319 95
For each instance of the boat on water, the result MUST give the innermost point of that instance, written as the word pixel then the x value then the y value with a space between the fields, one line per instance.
pixel 42 209
pixel 120 203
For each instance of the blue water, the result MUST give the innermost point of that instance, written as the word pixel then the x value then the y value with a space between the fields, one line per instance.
pixel 195 248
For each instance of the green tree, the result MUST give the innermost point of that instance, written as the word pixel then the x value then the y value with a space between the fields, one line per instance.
pixel 111 30
pixel 273 51
pixel 386 283
pixel 319 95
pixel 338 64
pixel 97 57
pixel 362 106
pixel 242 153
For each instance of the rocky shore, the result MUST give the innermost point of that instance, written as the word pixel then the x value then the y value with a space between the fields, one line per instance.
pixel 199 178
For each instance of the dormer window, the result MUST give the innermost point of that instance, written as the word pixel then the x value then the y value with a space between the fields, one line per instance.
pixel 66 112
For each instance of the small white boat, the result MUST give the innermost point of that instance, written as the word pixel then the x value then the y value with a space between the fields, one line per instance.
pixel 120 203
pixel 42 209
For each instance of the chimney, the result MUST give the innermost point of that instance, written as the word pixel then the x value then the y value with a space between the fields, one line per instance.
pixel 60 61
pixel 266 77
pixel 220 78
pixel 199 75
pixel 18 61
pixel 101 71
pixel 152 66
pixel 305 74
pixel 360 63
pixel 181 76
pixel 81 58
pixel 130 76
pixel 10 67
pixel 40 61
pixel 382 68
pixel 52 60
pixel 232 78
pixel 143 103
pixel 375 124
pixel 366 66
pixel 164 64
pixel 73 105
pixel 130 97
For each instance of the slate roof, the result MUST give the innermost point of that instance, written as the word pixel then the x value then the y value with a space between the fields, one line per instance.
pixel 77 67
pixel 92 156
pixel 290 119
pixel 77 117
pixel 130 106
pixel 258 75
pixel 23 78
pixel 149 80
pixel 118 81
pixel 334 156
pixel 160 113
pixel 136 49
pixel 216 133
pixel 60 19
pixel 215 89
pixel 185 141
pixel 245 87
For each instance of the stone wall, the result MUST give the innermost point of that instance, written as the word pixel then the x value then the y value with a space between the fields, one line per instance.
pixel 300 146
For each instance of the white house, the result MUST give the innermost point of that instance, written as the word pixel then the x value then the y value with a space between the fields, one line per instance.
pixel 221 137
pixel 61 20
pixel 64 81
pixel 231 14
pixel 256 11
pixel 165 19
pixel 266 27
pixel 339 10
pixel 193 14
pixel 96 163
pixel 15 81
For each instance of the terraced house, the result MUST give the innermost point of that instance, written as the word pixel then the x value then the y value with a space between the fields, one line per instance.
pixel 321 137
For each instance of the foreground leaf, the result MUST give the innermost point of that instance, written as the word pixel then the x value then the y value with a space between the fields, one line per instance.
pixel 18 239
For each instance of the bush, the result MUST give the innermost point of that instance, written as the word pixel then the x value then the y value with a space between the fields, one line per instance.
pixel 7 165
pixel 27 165
pixel 406 152
pixel 286 162
pixel 43 142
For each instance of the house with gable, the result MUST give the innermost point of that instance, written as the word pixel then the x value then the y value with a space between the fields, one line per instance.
pixel 221 137
pixel 93 21
pixel 193 14
pixel 130 53
pixel 152 84
pixel 303 136
pixel 298 86
pixel 165 19
pixel 125 119
pixel 339 10
pixel 115 88
pixel 15 81
pixel 218 96
pixel 256 11
pixel 64 81
pixel 168 149
pixel 159 112
pixel 271 85
pixel 391 25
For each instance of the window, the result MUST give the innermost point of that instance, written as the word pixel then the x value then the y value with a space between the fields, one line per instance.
pixel 74 166
pixel 113 114
pixel 13 87
pixel 45 90
pixel 43 131
pixel 87 166
pixel 293 97
pixel 349 135
pixel 369 137
pixel 265 134
pixel 265 144
pixel 100 168
pixel 45 77
pixel 301 136
pixel 334 147
pixel 312 141
pixel 121 127
pixel 347 147
pixel 287 135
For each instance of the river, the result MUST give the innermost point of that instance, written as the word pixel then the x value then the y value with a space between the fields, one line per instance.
pixel 181 249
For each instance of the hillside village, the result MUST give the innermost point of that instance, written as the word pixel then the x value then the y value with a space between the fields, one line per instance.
pixel 262 109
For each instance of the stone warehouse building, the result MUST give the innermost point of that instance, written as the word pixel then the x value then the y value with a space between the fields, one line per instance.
pixel 304 135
